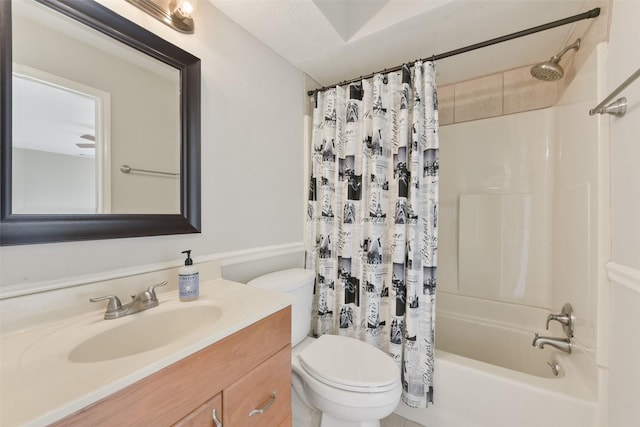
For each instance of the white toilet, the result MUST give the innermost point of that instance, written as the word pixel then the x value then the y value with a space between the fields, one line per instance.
pixel 352 384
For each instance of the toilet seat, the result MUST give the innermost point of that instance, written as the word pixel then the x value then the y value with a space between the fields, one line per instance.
pixel 349 364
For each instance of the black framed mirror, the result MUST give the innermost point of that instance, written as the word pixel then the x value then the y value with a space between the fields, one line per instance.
pixel 30 228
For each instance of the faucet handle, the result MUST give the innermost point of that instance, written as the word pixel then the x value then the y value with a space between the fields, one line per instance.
pixel 152 289
pixel 561 318
pixel 566 318
pixel 114 304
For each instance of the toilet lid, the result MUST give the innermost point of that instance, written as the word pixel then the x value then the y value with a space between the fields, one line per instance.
pixel 349 364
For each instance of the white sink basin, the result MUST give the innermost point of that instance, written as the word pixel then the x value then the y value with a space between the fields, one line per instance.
pixel 92 339
pixel 55 368
pixel 144 333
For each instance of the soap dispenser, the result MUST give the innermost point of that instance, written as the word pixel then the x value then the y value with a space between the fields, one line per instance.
pixel 188 279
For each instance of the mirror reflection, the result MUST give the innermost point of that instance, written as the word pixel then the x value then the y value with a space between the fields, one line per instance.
pixel 81 118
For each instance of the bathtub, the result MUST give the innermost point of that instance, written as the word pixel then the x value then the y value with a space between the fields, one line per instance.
pixel 487 374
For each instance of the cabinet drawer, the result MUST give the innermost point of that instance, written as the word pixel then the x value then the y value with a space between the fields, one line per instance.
pixel 203 416
pixel 254 391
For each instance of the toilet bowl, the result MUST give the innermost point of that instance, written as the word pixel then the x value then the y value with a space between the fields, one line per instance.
pixel 351 383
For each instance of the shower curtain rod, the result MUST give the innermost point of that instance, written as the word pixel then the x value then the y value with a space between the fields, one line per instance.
pixel 593 13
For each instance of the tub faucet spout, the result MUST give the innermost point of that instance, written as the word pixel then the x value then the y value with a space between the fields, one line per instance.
pixel 563 344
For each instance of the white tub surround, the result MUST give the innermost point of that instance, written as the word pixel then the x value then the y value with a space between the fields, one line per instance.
pixel 489 374
pixel 501 334
pixel 523 230
pixel 40 385
pixel 476 394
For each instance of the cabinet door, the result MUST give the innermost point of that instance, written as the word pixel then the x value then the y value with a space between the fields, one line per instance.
pixel 261 398
pixel 204 415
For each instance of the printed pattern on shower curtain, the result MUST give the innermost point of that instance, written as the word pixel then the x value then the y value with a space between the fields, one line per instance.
pixel 372 218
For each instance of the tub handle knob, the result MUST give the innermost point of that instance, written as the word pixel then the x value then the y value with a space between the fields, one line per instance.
pixel 555 367
pixel 565 318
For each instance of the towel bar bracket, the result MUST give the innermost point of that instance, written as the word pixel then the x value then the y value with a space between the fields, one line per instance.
pixel 618 107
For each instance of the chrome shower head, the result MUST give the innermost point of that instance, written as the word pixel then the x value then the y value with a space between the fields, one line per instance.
pixel 551 70
pixel 548 71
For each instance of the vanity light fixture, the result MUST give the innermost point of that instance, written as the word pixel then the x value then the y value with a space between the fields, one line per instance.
pixel 174 13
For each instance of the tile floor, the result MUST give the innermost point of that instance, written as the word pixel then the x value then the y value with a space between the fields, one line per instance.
pixel 394 420
pixel 305 417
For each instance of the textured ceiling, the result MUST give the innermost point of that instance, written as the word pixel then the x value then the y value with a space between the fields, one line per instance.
pixel 336 40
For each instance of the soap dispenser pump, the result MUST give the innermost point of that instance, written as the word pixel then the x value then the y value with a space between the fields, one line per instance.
pixel 188 279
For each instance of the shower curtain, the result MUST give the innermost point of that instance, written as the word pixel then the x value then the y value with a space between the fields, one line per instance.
pixel 372 218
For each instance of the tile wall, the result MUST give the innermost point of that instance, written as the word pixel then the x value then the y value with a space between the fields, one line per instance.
pixel 508 92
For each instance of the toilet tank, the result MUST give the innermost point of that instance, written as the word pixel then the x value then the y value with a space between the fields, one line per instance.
pixel 299 283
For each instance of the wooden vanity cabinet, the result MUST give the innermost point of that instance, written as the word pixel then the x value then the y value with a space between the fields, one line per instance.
pixel 234 376
pixel 203 416
pixel 267 386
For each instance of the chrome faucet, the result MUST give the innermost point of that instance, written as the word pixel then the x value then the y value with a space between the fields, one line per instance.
pixel 563 344
pixel 143 301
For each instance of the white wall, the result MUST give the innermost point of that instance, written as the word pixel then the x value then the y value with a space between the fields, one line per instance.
pixel 625 148
pixel 252 160
pixel 624 268
pixel 52 183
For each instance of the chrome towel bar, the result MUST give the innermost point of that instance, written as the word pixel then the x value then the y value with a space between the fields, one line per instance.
pixel 617 108
pixel 127 169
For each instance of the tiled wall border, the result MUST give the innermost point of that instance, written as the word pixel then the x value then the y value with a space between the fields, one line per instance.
pixel 508 92
pixel 516 91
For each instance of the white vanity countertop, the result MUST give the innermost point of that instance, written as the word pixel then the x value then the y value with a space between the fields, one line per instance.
pixel 39 385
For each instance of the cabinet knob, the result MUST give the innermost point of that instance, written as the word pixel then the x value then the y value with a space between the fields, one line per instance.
pixel 266 405
pixel 214 416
